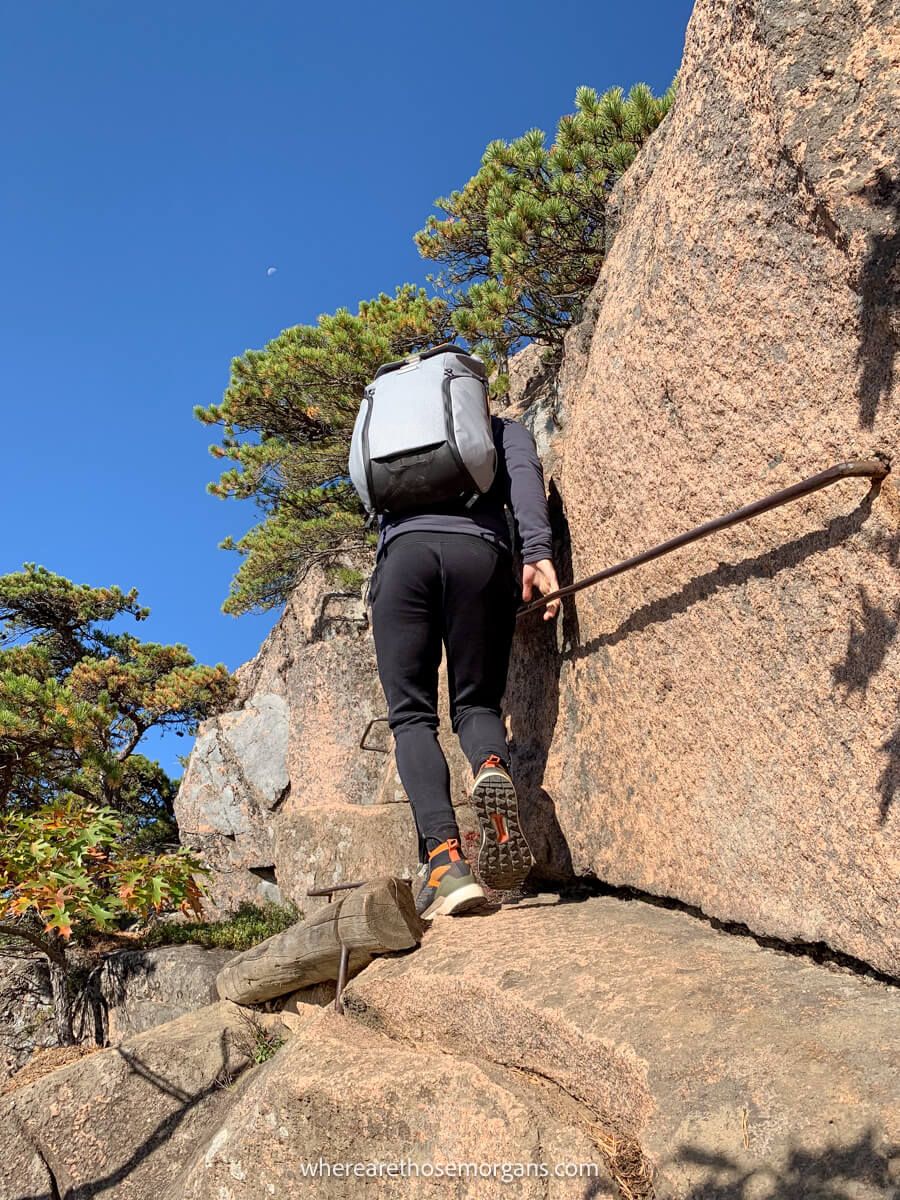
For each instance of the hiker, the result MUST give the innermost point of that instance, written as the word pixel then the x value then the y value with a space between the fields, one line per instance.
pixel 444 576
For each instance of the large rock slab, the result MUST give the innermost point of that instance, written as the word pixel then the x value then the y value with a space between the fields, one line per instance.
pixel 26 1009
pixel 319 847
pixel 123 1121
pixel 339 1094
pixel 726 1068
pixel 722 726
pixel 140 989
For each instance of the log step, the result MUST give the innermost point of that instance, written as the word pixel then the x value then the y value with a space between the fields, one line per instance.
pixel 375 918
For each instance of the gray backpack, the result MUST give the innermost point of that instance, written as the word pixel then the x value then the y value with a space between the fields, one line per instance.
pixel 423 433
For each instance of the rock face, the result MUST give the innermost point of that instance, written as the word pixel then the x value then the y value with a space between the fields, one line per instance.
pixel 727 729
pixel 342 1094
pixel 724 1068
pixel 606 1048
pixel 129 992
pixel 144 988
pixel 26 1010
pixel 122 1121
pixel 720 726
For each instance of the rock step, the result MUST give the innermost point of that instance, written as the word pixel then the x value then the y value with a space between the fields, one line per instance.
pixel 319 845
pixel 721 1060
pixel 340 1093
pixel 607 1032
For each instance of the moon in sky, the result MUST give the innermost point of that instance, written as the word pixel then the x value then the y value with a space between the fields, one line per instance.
pixel 271 270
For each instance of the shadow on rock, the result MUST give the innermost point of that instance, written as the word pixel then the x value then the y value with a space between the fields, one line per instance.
pixel 879 291
pixel 867 648
pixel 105 987
pixel 532 705
pixel 728 575
pixel 109 1183
pixel 889 780
pixel 837 1172
pixel 867 645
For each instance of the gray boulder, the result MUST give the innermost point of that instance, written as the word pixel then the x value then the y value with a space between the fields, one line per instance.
pixel 26 1010
pixel 122 1122
pixel 140 989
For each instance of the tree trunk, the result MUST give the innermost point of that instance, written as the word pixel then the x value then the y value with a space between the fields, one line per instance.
pixel 53 946
pixel 62 1000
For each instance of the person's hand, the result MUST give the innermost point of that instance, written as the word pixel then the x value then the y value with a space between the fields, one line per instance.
pixel 541 575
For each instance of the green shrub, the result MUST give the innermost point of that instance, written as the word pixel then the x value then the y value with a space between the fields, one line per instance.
pixel 249 925
pixel 347 579
pixel 260 1043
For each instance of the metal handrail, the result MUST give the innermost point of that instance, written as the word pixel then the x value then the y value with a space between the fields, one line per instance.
pixel 344 961
pixel 362 740
pixel 873 468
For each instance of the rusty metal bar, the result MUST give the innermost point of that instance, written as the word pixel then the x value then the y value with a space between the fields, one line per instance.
pixel 871 468
pixel 335 887
pixel 341 979
pixel 344 961
pixel 362 740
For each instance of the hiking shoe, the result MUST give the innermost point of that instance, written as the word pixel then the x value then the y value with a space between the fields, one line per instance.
pixel 449 885
pixel 505 857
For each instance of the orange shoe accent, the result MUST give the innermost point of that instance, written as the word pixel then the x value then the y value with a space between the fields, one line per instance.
pixel 451 846
pixel 500 826
pixel 491 761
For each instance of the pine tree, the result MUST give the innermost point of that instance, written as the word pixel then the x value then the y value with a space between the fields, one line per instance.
pixel 521 246
pixel 84 818
pixel 286 420
pixel 522 243
pixel 76 699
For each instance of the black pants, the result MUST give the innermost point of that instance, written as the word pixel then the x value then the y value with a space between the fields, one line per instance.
pixel 429 589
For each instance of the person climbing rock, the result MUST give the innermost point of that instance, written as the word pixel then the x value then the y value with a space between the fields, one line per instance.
pixel 444 577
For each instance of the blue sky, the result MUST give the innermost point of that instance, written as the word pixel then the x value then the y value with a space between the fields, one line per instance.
pixel 157 159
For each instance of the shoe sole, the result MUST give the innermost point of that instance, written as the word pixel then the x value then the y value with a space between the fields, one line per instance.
pixel 464 899
pixel 504 858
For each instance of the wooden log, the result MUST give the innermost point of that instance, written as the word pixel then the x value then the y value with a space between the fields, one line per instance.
pixel 381 916
pixel 306 953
